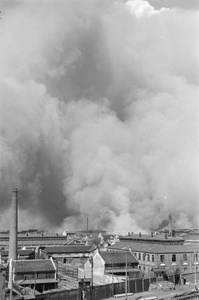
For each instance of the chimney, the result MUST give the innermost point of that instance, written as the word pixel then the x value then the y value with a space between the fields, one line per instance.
pixel 13 226
pixel 170 224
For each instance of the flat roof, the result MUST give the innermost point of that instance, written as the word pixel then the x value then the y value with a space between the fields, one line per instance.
pixel 154 248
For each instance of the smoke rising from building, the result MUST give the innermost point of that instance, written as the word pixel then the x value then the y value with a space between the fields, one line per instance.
pixel 99 114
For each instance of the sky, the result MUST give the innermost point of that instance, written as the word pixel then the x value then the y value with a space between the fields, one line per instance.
pixel 99 113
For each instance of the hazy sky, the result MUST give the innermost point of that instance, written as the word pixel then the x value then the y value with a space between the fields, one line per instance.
pixel 184 4
pixel 99 113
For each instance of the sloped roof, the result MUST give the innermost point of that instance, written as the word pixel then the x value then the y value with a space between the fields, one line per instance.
pixel 118 257
pixel 19 252
pixel 35 265
pixel 154 248
pixel 69 249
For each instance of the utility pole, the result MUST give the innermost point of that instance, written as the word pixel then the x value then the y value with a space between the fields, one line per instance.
pixel 126 280
pixel 112 278
pixel 87 226
pixel 195 270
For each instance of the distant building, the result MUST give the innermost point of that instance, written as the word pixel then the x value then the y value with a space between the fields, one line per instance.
pixel 32 239
pixel 21 254
pixel 67 253
pixel 153 238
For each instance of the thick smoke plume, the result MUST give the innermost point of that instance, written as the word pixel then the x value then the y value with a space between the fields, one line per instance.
pixel 99 114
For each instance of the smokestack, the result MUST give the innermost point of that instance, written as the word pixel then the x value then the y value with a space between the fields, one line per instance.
pixel 87 227
pixel 170 224
pixel 13 226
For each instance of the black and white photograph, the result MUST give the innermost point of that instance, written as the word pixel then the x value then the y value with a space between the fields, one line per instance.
pixel 99 149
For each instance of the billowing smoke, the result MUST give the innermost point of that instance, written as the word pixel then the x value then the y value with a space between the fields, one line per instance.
pixel 99 114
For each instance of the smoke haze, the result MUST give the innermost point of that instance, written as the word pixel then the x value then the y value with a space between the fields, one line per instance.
pixel 99 114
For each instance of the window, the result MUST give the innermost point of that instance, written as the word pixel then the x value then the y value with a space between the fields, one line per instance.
pixel 197 257
pixel 184 257
pixel 148 257
pixel 162 258
pixel 152 257
pixel 173 257
pixel 139 255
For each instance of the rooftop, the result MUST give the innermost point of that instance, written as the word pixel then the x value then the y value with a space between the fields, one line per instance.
pixel 154 248
pixel 118 257
pixel 69 249
pixel 152 238
pixel 36 265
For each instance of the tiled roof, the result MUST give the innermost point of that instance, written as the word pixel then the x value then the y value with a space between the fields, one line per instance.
pixel 154 248
pixel 69 249
pixel 118 257
pixel 36 265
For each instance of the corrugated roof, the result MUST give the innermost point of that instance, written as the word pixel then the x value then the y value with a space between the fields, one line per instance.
pixel 118 257
pixel 154 248
pixel 69 249
pixel 36 265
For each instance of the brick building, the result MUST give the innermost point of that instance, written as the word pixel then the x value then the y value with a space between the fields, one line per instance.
pixel 160 258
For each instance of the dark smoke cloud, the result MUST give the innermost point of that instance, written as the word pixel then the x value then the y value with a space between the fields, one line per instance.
pixel 99 114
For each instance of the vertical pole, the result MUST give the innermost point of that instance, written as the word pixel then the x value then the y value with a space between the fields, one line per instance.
pixel 126 280
pixel 92 271
pixel 87 226
pixel 13 226
pixel 149 275
pixel 195 270
pixel 10 278
pixel 112 281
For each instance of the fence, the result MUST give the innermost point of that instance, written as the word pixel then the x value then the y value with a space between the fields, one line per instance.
pixel 99 292
pixel 106 291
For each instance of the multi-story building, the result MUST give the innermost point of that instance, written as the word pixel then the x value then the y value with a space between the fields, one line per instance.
pixel 163 258
pixel 38 274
